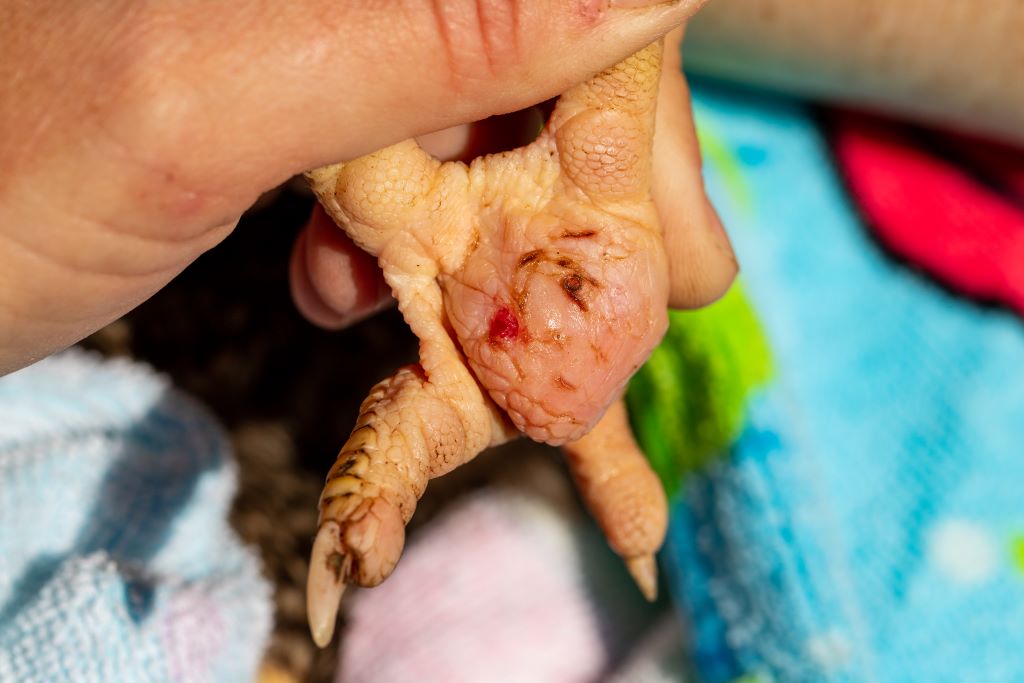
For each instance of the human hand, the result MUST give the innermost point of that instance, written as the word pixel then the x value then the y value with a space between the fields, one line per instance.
pixel 134 136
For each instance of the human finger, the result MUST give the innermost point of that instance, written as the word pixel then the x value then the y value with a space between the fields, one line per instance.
pixel 334 283
pixel 702 264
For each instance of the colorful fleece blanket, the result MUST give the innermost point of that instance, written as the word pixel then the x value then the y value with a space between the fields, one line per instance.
pixel 841 435
pixel 117 563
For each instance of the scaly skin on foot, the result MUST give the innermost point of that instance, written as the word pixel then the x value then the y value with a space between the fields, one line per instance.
pixel 537 284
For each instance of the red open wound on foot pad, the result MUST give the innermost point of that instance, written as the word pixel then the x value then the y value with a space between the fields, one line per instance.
pixel 504 326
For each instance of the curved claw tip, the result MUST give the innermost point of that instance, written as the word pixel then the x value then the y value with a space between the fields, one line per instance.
pixel 644 571
pixel 328 568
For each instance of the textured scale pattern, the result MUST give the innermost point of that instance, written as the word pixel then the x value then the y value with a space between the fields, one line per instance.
pixel 537 283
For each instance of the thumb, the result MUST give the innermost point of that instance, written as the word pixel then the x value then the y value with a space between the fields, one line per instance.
pixel 312 82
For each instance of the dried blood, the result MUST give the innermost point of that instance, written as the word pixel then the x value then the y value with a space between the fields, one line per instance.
pixel 504 325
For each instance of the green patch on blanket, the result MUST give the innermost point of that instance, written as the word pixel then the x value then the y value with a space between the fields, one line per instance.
pixel 753 678
pixel 1017 552
pixel 687 403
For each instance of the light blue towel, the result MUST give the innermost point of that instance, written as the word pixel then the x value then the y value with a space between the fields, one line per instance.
pixel 866 524
pixel 116 559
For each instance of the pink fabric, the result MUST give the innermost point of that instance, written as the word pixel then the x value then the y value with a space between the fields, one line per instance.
pixel 964 228
pixel 193 633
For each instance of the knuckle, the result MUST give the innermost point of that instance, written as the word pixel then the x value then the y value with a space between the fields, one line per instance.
pixel 481 38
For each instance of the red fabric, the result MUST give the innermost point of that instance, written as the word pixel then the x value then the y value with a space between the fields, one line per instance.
pixel 958 216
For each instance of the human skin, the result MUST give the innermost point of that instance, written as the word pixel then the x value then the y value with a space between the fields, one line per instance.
pixel 953 63
pixel 133 135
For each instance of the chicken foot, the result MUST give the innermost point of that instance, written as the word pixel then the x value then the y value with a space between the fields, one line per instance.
pixel 537 283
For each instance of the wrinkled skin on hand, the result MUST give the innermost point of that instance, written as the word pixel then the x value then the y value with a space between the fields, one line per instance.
pixel 537 283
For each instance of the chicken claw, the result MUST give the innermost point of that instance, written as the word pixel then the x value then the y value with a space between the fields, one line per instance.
pixel 328 571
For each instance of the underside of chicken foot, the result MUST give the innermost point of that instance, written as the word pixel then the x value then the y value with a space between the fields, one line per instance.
pixel 537 283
